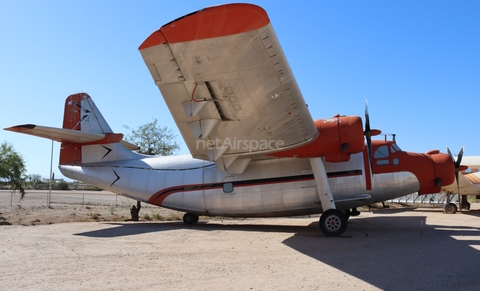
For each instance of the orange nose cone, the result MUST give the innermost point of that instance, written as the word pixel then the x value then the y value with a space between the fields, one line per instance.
pixel 444 168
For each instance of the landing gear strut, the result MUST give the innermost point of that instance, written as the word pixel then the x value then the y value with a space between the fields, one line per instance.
pixel 190 218
pixel 464 202
pixel 333 222
pixel 352 212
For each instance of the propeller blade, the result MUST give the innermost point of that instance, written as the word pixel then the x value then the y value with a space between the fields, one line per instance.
pixel 450 154
pixel 459 159
pixel 456 164
pixel 367 119
pixel 368 133
pixel 457 168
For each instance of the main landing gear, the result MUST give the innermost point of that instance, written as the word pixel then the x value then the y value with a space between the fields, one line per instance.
pixel 333 222
pixel 190 218
pixel 451 207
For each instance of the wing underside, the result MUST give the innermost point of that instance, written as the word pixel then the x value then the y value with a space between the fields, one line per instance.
pixel 228 85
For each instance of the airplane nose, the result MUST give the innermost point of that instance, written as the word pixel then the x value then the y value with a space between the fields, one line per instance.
pixel 444 169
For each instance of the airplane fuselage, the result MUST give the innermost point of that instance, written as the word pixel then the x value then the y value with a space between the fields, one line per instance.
pixel 273 187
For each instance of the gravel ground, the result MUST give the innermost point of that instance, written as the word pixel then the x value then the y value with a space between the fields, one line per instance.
pixel 407 248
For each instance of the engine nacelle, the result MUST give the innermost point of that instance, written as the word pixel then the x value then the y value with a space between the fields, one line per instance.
pixel 339 137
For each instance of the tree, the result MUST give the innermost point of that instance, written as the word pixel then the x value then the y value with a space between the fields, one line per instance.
pixel 34 180
pixel 12 168
pixel 153 139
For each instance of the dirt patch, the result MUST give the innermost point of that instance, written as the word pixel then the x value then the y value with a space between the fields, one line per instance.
pixel 62 213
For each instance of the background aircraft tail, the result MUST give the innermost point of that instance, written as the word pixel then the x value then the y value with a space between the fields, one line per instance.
pixel 85 137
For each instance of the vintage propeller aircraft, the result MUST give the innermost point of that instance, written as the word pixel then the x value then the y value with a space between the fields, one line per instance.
pixel 466 183
pixel 255 149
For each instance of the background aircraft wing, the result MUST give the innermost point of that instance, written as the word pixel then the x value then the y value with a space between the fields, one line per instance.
pixel 473 162
pixel 228 85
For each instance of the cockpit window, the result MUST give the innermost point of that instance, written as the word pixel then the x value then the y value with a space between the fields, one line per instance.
pixel 381 152
pixel 396 147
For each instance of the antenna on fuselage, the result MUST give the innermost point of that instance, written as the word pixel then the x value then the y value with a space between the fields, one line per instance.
pixel 393 136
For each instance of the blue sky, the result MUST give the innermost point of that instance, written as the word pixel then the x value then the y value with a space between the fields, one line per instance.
pixel 417 63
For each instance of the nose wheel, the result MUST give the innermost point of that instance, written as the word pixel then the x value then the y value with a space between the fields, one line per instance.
pixel 190 218
pixel 333 222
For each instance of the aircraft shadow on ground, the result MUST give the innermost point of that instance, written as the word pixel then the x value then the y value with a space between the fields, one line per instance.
pixel 391 253
pixel 400 253
pixel 126 229
pixel 475 212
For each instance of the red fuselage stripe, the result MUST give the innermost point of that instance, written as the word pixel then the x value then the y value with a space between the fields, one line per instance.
pixel 158 197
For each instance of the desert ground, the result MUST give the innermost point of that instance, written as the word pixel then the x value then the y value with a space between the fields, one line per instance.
pixel 82 242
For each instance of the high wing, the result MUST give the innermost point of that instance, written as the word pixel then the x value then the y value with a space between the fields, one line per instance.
pixel 228 85
pixel 473 162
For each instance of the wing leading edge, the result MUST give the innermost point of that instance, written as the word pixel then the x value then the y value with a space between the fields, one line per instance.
pixel 228 85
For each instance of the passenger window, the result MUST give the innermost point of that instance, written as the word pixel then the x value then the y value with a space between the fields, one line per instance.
pixel 381 152
pixel 382 162
pixel 228 188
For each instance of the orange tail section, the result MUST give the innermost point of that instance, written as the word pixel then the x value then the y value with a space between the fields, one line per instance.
pixel 85 137
pixel 81 114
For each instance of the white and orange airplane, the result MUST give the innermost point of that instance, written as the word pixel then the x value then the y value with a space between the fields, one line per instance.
pixel 467 182
pixel 255 149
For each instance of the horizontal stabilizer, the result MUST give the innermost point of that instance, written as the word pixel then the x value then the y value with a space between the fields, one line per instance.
pixel 68 135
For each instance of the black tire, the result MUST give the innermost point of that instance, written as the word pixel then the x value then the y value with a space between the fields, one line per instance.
pixel 190 218
pixel 333 222
pixel 347 213
pixel 450 208
pixel 466 205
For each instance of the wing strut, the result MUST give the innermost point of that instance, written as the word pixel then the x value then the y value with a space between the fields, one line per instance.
pixel 323 187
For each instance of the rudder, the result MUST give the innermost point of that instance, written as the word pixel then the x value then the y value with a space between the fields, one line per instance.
pixel 82 114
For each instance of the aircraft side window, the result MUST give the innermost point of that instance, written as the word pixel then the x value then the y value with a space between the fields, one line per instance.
pixel 381 152
pixel 396 147
pixel 382 162
pixel 392 149
pixel 227 187
pixel 396 161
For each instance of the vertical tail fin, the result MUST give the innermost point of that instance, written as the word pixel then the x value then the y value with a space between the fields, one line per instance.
pixel 82 114
pixel 85 136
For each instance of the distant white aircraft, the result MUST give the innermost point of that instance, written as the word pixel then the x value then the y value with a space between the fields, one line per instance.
pixel 468 183
pixel 256 150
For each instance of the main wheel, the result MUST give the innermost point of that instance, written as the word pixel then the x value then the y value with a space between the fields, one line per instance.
pixel 190 218
pixel 450 208
pixel 466 205
pixel 333 222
